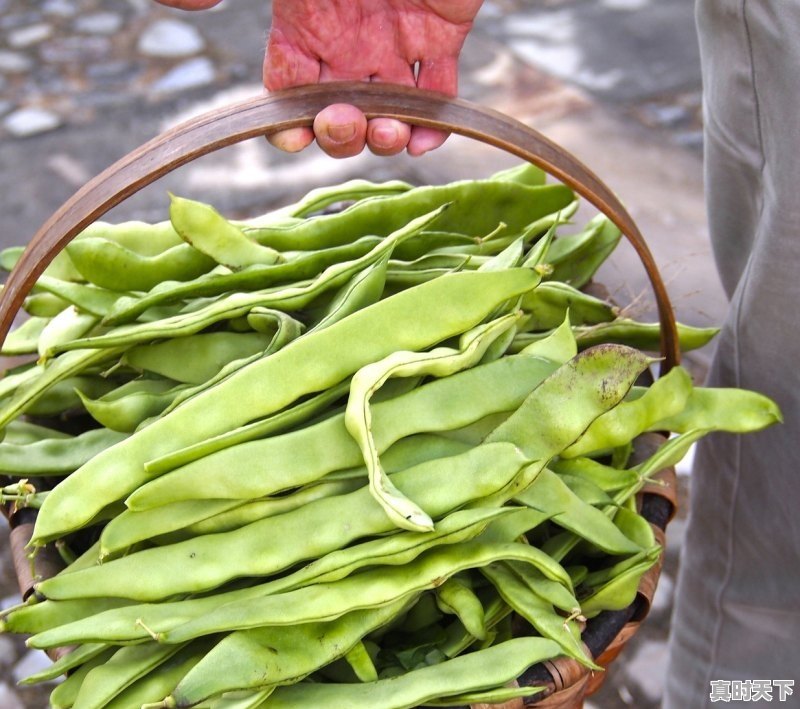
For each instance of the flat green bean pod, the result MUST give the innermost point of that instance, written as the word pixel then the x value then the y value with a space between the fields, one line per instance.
pixel 538 612
pixel 237 304
pixel 87 298
pixel 301 266
pixel 478 207
pixel 606 477
pixel 732 410
pixel 550 494
pixel 41 616
pixel 576 258
pixel 131 527
pixel 127 406
pixel 350 191
pixel 197 358
pixel 261 657
pixel 17 378
pixel 44 305
pixel 68 325
pixel 209 232
pixel 141 237
pixel 303 456
pixel 270 384
pixel 151 688
pixel 475 671
pixel 361 663
pixel 122 669
pixel 60 267
pixel 277 423
pixel 457 598
pixel 666 397
pixel 498 695
pixel 372 588
pixel 56 456
pixel 549 304
pixel 22 432
pixel 110 264
pixel 403 454
pixel 583 388
pixel 301 293
pixel 620 591
pixel 137 622
pixel 58 370
pixel 331 523
pixel 64 695
pixel 25 338
pixel 81 654
pixel 645 336
pixel 364 289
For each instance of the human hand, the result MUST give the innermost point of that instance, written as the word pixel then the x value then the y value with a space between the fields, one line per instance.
pixel 407 42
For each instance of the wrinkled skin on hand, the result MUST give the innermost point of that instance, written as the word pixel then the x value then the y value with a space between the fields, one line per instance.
pixel 408 42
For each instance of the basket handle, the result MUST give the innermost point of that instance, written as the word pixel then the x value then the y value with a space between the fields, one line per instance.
pixel 298 107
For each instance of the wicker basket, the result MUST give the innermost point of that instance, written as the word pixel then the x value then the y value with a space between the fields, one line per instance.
pixel 567 681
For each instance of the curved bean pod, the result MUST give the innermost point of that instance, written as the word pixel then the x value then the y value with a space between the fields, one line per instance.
pixel 457 598
pixel 440 362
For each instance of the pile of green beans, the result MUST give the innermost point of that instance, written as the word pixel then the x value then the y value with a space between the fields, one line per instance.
pixel 336 457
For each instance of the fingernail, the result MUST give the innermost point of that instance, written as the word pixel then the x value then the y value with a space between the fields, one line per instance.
pixel 342 132
pixel 385 136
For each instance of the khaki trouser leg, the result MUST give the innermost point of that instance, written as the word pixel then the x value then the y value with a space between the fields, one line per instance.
pixel 737 613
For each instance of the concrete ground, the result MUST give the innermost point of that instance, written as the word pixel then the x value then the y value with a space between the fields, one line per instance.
pixel 82 82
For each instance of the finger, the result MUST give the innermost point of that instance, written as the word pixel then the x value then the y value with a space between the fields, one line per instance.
pixel 341 130
pixel 435 75
pixel 292 140
pixel 386 136
pixel 286 66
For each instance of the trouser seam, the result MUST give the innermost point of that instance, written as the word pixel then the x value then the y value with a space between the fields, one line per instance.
pixel 737 373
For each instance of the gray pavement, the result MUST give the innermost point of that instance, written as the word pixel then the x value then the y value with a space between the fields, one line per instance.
pixel 83 82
